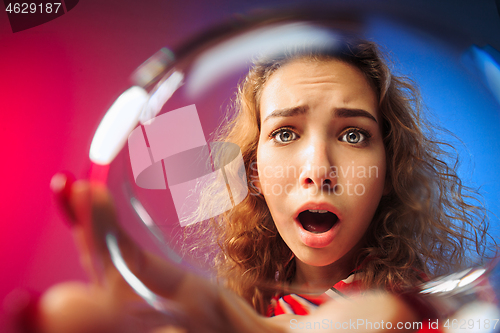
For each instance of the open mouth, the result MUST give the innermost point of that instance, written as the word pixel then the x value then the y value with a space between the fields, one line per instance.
pixel 317 221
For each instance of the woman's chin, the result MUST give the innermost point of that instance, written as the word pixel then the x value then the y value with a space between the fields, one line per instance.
pixel 315 258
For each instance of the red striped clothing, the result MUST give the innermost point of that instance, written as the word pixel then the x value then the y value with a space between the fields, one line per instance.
pixel 305 304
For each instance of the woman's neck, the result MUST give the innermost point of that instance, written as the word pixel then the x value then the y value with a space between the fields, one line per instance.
pixel 314 278
pixel 320 278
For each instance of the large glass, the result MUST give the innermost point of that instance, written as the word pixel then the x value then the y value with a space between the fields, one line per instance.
pixel 156 151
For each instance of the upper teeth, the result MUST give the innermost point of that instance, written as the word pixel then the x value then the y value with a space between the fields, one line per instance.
pixel 317 211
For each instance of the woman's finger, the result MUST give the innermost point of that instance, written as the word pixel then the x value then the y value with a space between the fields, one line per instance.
pixel 80 204
pixel 73 201
pixel 61 185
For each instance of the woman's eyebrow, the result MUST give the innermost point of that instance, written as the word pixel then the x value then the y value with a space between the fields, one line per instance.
pixel 339 112
pixel 288 112
pixel 350 113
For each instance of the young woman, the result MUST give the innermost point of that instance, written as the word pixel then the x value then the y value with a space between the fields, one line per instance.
pixel 349 194
pixel 344 175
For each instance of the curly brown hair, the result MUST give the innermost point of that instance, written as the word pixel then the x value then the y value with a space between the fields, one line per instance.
pixel 429 222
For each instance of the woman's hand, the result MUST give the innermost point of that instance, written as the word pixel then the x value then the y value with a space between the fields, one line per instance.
pixel 109 304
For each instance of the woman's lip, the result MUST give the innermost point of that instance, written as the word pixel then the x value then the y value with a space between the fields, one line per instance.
pixel 317 240
pixel 317 206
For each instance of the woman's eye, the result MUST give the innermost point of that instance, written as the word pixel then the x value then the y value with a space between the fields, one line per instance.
pixel 284 136
pixel 354 136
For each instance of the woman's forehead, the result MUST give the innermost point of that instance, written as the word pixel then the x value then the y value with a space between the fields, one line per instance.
pixel 314 81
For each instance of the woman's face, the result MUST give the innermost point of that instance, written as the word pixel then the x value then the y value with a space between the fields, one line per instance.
pixel 320 158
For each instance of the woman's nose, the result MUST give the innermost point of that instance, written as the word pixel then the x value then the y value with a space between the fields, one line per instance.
pixel 318 170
